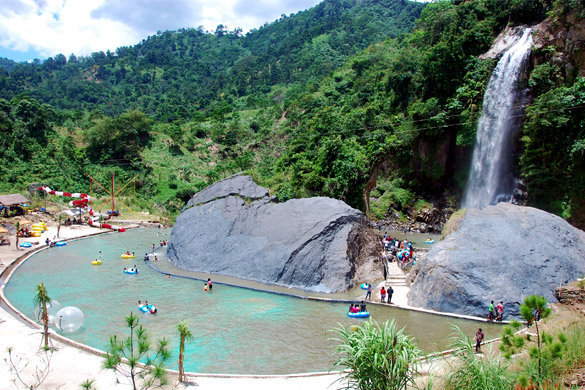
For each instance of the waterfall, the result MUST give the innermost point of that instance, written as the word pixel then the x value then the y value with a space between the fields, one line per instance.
pixel 491 179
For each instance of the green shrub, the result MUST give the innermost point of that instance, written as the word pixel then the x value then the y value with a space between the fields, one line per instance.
pixel 375 357
pixel 471 372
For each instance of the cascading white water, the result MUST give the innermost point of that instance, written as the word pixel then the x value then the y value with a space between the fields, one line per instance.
pixel 491 179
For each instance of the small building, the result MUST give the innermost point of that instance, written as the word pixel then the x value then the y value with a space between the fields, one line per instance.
pixel 11 204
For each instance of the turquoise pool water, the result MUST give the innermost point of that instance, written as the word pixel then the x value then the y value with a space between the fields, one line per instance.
pixel 237 330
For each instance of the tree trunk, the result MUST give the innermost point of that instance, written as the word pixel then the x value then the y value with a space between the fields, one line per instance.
pixel 46 326
pixel 181 355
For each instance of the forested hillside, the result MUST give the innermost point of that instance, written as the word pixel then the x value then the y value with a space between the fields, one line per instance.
pixel 340 100
pixel 175 74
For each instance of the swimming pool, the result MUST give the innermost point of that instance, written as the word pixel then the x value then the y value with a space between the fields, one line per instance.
pixel 237 330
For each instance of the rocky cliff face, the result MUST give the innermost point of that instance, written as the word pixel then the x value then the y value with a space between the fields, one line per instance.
pixel 234 228
pixel 565 34
pixel 503 252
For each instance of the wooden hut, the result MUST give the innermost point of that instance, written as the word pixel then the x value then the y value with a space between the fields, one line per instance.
pixel 11 203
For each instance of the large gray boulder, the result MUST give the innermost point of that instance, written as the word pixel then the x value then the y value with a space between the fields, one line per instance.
pixel 500 253
pixel 234 228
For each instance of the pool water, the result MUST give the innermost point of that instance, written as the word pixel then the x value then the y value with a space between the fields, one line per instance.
pixel 236 330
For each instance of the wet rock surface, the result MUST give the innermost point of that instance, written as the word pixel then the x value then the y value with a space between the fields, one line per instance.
pixel 500 253
pixel 235 228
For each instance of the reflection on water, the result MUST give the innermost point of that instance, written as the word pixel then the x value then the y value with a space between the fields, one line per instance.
pixel 236 330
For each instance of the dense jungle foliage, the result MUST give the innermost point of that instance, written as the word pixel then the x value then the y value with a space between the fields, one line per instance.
pixel 348 99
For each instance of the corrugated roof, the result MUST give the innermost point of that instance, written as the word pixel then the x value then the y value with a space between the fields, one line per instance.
pixel 9 200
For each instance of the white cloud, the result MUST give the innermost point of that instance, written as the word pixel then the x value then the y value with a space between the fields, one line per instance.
pixel 81 26
pixel 61 26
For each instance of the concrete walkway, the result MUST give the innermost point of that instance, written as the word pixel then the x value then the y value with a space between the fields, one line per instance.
pixel 395 278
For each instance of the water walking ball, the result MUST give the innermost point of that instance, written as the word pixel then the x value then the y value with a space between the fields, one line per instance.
pixel 69 319
pixel 52 309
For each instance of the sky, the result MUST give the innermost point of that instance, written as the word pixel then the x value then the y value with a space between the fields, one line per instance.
pixel 42 28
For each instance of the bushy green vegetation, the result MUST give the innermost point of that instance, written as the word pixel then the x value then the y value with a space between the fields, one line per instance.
pixel 174 74
pixel 541 362
pixel 377 357
pixel 471 372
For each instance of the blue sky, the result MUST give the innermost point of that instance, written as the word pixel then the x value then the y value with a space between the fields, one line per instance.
pixel 42 28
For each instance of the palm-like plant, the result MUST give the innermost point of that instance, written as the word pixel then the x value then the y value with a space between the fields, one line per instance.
pixel 184 334
pixel 375 357
pixel 41 300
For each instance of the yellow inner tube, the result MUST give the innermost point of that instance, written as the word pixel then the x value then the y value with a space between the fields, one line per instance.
pixel 96 262
pixel 125 256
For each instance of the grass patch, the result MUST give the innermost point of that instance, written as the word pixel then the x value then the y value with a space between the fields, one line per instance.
pixel 452 225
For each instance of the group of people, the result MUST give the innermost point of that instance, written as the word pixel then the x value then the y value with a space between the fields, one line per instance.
pixel 147 308
pixel 401 250
pixel 50 242
pixel 383 293
pixel 69 221
pixel 355 308
pixel 495 313
pixel 386 293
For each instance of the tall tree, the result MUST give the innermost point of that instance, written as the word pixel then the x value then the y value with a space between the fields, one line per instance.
pixel 184 334
pixel 533 310
pixel 41 300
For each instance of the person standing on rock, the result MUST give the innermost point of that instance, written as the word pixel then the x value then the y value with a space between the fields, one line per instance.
pixel 390 292
pixel 478 340
pixel 369 292
pixel 383 294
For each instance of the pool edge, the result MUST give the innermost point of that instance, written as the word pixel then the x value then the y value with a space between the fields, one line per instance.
pixel 14 264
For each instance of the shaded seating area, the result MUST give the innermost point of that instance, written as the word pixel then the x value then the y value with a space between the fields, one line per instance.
pixel 13 204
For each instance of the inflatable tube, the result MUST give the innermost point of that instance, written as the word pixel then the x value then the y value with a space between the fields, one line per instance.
pixel 364 286
pixel 130 271
pixel 96 262
pixel 60 243
pixel 25 245
pixel 35 234
pixel 125 256
pixel 361 314
pixel 148 309
pixel 429 241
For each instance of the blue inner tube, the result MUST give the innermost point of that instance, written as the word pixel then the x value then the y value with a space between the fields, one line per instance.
pixel 60 243
pixel 25 245
pixel 429 241
pixel 361 314
pixel 364 286
pixel 130 271
pixel 148 309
